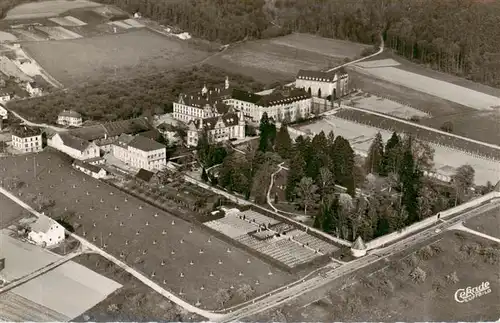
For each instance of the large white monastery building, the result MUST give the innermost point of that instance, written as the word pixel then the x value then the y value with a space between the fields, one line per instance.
pixel 324 84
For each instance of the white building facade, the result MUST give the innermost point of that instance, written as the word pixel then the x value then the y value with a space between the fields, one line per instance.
pixel 70 118
pixel 140 152
pixel 219 129
pixel 46 232
pixel 73 146
pixel 287 104
pixel 27 140
pixel 89 169
pixel 323 84
pixel 33 89
pixel 204 104
pixel 3 113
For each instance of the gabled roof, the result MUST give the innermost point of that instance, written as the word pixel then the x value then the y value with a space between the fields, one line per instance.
pixel 113 129
pixel 144 175
pixel 166 127
pixel 321 76
pixel 42 224
pixel 279 96
pixel 25 132
pixel 34 85
pixel 70 114
pixel 152 134
pixel 73 142
pixel 359 244
pixel 229 119
pixel 92 168
pixel 145 144
pixel 123 140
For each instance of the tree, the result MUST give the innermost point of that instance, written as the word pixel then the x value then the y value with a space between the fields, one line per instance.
pixel 295 174
pixel 306 192
pixel 462 180
pixel 373 163
pixel 447 126
pixel 283 142
pixel 391 155
pixel 267 133
pixel 204 176
pixel 326 182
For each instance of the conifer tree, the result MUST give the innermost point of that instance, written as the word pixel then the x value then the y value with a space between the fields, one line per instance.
pixel 283 142
pixel 373 163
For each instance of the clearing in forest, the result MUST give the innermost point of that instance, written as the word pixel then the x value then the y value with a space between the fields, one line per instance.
pixel 43 9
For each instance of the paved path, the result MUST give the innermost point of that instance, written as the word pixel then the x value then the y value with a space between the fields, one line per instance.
pixel 211 316
pixel 460 226
pixel 33 124
pixel 331 275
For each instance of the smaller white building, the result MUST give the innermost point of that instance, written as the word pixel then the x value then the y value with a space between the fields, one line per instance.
pixel 359 248
pixel 70 118
pixel 320 84
pixel 34 89
pixel 26 139
pixel 169 132
pixel 46 232
pixel 3 113
pixel 223 128
pixel 92 170
pixel 140 152
pixel 5 97
pixel 73 146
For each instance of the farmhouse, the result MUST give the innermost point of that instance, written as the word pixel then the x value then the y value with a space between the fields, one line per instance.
pixel 73 146
pixel 223 128
pixel 103 135
pixel 46 232
pixel 70 118
pixel 332 84
pixel 204 104
pixel 90 169
pixel 282 104
pixel 34 89
pixel 140 152
pixel 3 112
pixel 26 139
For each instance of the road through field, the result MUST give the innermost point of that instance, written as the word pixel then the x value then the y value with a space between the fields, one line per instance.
pixel 211 316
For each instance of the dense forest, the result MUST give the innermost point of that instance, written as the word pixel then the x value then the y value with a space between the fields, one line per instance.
pixel 127 98
pixel 454 36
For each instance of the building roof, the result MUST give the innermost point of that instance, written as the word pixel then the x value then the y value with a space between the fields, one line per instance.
pixel 113 129
pixel 144 175
pixel 92 168
pixel 42 224
pixel 73 142
pixel 34 85
pixel 278 96
pixel 70 114
pixel 25 132
pixel 322 76
pixel 151 134
pixel 145 144
pixel 359 244
pixel 123 140
pixel 229 119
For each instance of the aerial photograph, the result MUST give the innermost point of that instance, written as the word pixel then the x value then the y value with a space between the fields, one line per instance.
pixel 250 161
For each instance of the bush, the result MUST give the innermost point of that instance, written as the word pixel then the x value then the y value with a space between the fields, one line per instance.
pixel 452 278
pixel 447 126
pixel 425 253
pixel 418 275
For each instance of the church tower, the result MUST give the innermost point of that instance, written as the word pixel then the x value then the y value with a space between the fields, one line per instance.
pixel 204 90
pixel 226 84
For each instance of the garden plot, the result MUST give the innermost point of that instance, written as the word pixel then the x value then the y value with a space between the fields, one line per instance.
pixel 388 62
pixel 9 68
pixel 291 247
pixel 428 85
pixel 68 21
pixel 30 35
pixel 70 289
pixel 182 258
pixel 134 23
pixel 9 212
pixel 361 136
pixel 383 105
pixel 43 9
pixel 120 24
pixel 59 33
pixel 488 223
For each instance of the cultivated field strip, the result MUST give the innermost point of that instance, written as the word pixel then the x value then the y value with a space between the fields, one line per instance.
pixel 445 90
pixel 59 33
pixel 68 21
pixel 293 247
pixel 170 251
pixel 15 308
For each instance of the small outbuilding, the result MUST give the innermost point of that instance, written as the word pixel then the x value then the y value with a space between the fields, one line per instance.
pixel 359 248
pixel 46 232
pixel 93 170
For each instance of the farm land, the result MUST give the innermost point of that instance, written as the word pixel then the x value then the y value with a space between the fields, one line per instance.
pixel 469 122
pixel 416 285
pixel 179 256
pixel 133 302
pixel 46 8
pixel 279 59
pixel 96 58
pixel 10 212
pixel 488 223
